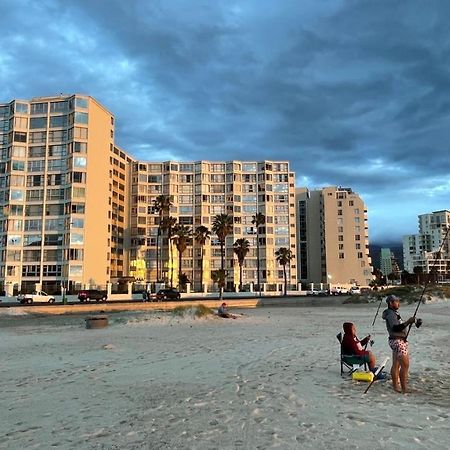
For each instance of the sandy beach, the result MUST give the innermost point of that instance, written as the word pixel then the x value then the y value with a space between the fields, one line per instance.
pixel 269 379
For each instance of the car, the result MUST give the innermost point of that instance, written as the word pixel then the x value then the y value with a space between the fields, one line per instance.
pixel 320 292
pixel 35 297
pixel 338 290
pixel 87 295
pixel 168 294
pixel 354 290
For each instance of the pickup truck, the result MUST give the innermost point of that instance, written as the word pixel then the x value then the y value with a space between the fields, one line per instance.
pixel 35 297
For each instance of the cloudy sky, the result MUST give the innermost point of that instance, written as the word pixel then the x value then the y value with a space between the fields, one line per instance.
pixel 353 93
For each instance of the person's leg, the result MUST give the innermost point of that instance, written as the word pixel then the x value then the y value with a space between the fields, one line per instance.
pixel 371 360
pixel 404 372
pixel 395 375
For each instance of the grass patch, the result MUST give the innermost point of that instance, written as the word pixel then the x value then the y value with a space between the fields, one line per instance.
pixel 407 294
pixel 196 311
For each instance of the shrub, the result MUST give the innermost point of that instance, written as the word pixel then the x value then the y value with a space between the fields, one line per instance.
pixel 196 311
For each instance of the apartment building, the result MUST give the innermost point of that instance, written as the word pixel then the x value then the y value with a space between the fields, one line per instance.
pixel 201 190
pixel 430 248
pixel 332 237
pixel 63 194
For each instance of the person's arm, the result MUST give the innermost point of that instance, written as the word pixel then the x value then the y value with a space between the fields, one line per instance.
pixel 365 340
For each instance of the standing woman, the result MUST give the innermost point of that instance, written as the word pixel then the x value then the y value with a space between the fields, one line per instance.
pixel 397 330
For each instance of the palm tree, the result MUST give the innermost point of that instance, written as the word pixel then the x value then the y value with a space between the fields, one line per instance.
pixel 219 276
pixel 241 247
pixel 182 236
pixel 284 255
pixel 222 226
pixel 258 219
pixel 162 205
pixel 201 235
pixel 167 226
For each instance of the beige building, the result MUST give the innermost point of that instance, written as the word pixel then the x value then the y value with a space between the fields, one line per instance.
pixel 76 210
pixel 332 237
pixel 63 194
pixel 203 189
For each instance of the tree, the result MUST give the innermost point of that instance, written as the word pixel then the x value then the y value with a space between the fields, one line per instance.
pixel 284 255
pixel 418 270
pixel 201 235
pixel 182 236
pixel 167 226
pixel 241 248
pixel 162 205
pixel 258 219
pixel 222 226
pixel 219 276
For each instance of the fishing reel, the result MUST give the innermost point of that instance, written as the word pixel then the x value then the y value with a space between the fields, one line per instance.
pixel 371 342
pixel 419 323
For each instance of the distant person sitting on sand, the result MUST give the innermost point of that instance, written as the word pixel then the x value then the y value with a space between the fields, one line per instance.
pixel 223 312
pixel 351 345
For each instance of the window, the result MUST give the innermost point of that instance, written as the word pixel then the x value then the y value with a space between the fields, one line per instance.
pixel 18 152
pixel 341 256
pixel 81 117
pixel 58 136
pixel 18 165
pixel 59 106
pixel 20 136
pixel 17 195
pixel 76 238
pixel 79 147
pixel 38 122
pixel 21 108
pixel 14 239
pixel 76 271
pixel 81 103
pixel 80 133
pixel 78 192
pixel 38 137
pixel 57 150
pixel 59 121
pixel 77 222
pixel 36 152
pixel 20 122
pixel 39 108
pixel 79 161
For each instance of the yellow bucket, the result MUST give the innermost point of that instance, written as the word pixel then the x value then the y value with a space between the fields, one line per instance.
pixel 363 376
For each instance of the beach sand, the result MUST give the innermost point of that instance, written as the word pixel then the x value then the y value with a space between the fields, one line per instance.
pixel 269 379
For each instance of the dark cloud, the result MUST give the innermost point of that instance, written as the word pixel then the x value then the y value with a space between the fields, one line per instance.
pixel 353 93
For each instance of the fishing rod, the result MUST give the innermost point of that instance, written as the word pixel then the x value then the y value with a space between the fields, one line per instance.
pixel 427 283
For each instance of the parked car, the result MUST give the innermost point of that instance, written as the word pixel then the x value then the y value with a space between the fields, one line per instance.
pixel 87 295
pixel 168 294
pixel 338 290
pixel 36 297
pixel 321 292
pixel 354 290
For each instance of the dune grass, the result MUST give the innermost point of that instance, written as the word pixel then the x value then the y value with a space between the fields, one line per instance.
pixel 196 311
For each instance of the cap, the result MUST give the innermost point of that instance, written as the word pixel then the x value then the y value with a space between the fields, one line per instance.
pixel 392 298
pixel 224 304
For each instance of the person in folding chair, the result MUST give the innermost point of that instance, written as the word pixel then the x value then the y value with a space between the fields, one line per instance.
pixel 353 348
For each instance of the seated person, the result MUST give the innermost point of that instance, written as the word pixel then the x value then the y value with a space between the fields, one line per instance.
pixel 351 345
pixel 223 312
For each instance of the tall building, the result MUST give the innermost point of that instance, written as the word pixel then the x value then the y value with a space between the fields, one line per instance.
pixel 63 194
pixel 201 190
pixel 332 237
pixel 76 210
pixel 422 250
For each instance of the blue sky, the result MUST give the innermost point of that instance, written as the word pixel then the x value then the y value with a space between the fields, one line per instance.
pixel 353 93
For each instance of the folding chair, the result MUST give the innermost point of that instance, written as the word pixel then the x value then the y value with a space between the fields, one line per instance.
pixel 349 361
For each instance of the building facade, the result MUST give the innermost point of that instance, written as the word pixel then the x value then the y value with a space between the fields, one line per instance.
pixel 63 194
pixel 201 190
pixel 77 211
pixel 332 237
pixel 429 249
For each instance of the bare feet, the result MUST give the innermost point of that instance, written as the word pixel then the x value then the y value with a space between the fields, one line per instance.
pixel 396 387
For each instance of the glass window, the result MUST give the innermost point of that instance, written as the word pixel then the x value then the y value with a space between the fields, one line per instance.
pixel 20 136
pixel 76 271
pixel 17 194
pixel 18 152
pixel 39 108
pixel 36 152
pixel 81 102
pixel 80 133
pixel 79 161
pixel 38 122
pixel 16 210
pixel 78 192
pixel 18 165
pixel 58 121
pixel 21 108
pixel 77 222
pixel 76 238
pixel 79 147
pixel 14 239
pixel 81 117
pixel 57 150
pixel 20 122
pixel 59 106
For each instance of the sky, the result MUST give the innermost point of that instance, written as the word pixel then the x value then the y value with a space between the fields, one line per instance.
pixel 352 93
